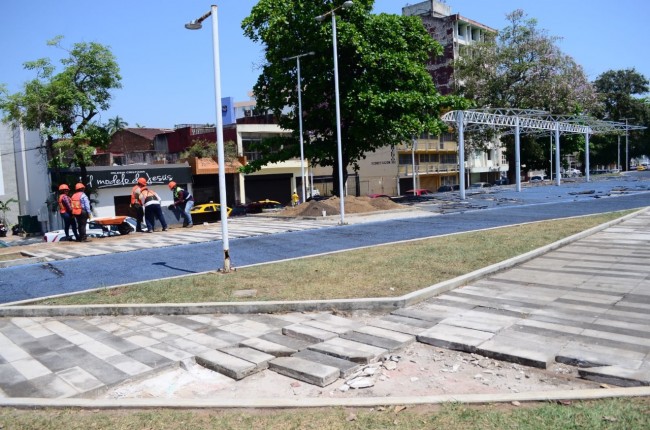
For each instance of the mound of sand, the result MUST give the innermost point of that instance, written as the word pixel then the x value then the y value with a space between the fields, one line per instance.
pixel 353 205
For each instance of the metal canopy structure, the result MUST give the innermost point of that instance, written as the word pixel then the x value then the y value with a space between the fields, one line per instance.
pixel 529 121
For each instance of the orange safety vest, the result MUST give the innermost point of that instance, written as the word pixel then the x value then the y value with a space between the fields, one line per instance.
pixel 135 194
pixel 62 208
pixel 75 202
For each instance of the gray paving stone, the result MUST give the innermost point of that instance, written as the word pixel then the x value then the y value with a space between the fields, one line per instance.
pixel 288 341
pixel 617 375
pixel 183 321
pixel 226 364
pixel 517 350
pixel 101 370
pixel 304 370
pixel 587 354
pixel 151 359
pixel 128 365
pixel 249 328
pixel 53 361
pixel 276 321
pixel 226 336
pixel 349 350
pixel 267 347
pixel 347 368
pixel 411 321
pixel 259 358
pixel 79 379
pixel 48 387
pixel 9 375
pixel 481 321
pixel 396 327
pixel 367 339
pixel 307 333
pixel 334 328
pixel 452 337
pixel 402 338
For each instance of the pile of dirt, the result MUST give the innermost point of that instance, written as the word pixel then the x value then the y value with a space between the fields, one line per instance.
pixel 353 205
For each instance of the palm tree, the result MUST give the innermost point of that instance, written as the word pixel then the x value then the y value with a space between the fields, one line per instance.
pixel 116 124
pixel 4 208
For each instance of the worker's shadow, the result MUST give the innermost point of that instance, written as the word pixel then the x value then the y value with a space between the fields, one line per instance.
pixel 162 263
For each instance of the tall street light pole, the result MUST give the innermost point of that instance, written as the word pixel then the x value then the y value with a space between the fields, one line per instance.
pixel 346 5
pixel 627 145
pixel 302 153
pixel 195 25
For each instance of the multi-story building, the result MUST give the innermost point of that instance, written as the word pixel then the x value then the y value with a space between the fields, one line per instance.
pixel 432 161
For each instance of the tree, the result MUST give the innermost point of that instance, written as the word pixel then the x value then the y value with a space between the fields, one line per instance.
pixel 386 94
pixel 620 92
pixel 4 208
pixel 64 104
pixel 116 124
pixel 523 68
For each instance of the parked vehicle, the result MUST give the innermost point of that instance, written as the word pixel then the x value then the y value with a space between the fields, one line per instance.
pixel 96 228
pixel 641 167
pixel 501 181
pixel 264 206
pixel 480 185
pixel 536 179
pixel 378 196
pixel 419 192
pixel 207 212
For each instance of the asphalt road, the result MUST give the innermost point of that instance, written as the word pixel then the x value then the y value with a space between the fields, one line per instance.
pixel 500 209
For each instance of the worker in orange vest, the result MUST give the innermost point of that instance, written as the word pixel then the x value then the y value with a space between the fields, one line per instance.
pixel 135 203
pixel 81 210
pixel 65 209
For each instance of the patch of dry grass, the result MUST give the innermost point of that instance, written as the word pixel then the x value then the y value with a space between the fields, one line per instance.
pixel 383 271
pixel 632 413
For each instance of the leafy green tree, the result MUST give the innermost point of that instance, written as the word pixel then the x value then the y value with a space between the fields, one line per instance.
pixel 620 92
pixel 386 93
pixel 523 68
pixel 203 148
pixel 64 104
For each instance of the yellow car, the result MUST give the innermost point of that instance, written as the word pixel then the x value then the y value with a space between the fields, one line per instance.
pixel 207 212
pixel 641 167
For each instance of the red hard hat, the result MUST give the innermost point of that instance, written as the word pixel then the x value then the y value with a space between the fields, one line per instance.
pixel 171 185
pixel 142 181
pixel 64 187
pixel 79 186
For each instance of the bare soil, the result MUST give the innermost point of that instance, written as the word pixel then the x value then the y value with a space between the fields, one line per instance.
pixel 419 370
pixel 331 206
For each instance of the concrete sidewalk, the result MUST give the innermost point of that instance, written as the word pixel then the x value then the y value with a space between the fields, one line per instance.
pixel 585 304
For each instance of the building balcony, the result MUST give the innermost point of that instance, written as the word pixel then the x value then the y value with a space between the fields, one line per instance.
pixel 427 169
pixel 429 145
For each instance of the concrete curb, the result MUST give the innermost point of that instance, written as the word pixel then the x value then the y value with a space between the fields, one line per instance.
pixel 276 403
pixel 369 304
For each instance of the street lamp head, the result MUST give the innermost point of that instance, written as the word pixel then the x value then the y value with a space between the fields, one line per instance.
pixel 193 25
pixel 321 18
pixel 348 4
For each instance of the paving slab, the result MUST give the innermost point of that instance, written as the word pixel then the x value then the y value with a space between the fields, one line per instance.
pixel 308 333
pixel 582 354
pixel 259 358
pixel 267 347
pixel 226 364
pixel 305 370
pixel 453 337
pixel 617 375
pixel 367 339
pixel 347 368
pixel 288 341
pixel 397 327
pixel 518 349
pixel 349 350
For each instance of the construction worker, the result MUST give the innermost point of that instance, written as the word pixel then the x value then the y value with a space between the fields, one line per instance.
pixel 135 203
pixel 183 204
pixel 295 199
pixel 81 210
pixel 65 209
pixel 150 201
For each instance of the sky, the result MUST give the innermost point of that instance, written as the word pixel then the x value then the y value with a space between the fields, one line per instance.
pixel 168 74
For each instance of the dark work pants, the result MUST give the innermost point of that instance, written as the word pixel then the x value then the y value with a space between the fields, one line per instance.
pixel 82 219
pixel 68 222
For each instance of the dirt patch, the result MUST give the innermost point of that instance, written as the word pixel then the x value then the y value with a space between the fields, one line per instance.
pixel 353 205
